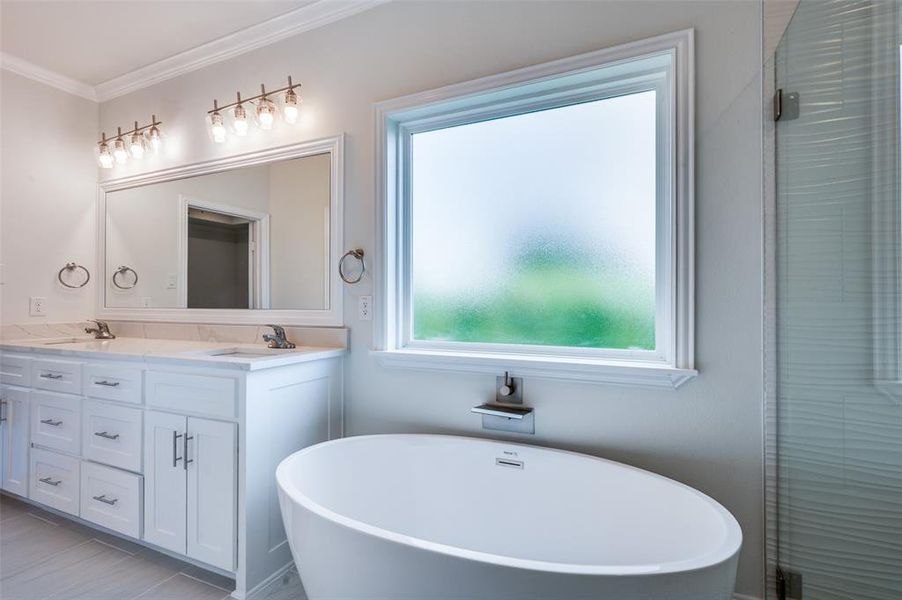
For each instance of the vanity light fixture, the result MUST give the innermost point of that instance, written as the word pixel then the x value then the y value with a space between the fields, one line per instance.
pixel 264 111
pixel 133 143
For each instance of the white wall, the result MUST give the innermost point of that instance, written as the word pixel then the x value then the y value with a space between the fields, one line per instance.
pixel 48 184
pixel 707 434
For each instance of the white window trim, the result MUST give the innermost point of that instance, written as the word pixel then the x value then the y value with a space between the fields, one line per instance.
pixel 673 363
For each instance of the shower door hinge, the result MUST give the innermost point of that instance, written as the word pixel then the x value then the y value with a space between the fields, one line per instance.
pixel 789 585
pixel 786 106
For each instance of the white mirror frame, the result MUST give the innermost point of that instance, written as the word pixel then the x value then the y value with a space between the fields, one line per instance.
pixel 330 316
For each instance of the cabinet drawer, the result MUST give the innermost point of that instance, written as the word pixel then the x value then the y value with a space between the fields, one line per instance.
pixel 55 421
pixel 15 369
pixel 111 434
pixel 113 382
pixel 111 498
pixel 198 394
pixel 56 375
pixel 54 480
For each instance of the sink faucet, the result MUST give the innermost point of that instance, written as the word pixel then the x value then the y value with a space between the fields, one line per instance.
pixel 277 339
pixel 101 332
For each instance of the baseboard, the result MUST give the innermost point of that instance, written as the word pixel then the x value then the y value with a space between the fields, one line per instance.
pixel 745 597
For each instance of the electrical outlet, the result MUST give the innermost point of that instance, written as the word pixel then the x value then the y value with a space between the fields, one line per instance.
pixel 37 306
pixel 146 302
pixel 365 308
pixel 172 281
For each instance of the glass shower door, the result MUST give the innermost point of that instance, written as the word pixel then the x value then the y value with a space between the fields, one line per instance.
pixel 839 331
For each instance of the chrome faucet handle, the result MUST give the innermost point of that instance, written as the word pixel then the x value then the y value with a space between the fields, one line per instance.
pixel 102 331
pixel 277 339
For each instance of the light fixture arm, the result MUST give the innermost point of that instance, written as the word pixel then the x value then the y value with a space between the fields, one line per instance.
pixel 137 129
pixel 263 95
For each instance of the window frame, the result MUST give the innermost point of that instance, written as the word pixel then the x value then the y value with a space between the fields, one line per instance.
pixel 593 76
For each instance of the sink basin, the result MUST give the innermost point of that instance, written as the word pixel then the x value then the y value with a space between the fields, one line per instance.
pixel 81 344
pixel 245 352
pixel 66 341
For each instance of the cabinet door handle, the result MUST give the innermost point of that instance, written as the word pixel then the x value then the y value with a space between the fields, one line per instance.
pixel 2 404
pixel 105 435
pixel 50 481
pixel 108 383
pixel 105 500
pixel 51 422
pixel 188 438
pixel 175 449
pixel 51 376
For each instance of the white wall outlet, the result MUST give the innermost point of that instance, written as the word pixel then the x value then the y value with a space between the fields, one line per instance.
pixel 37 306
pixel 365 308
pixel 172 281
pixel 146 302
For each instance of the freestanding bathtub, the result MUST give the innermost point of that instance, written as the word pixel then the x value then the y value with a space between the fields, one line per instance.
pixel 430 517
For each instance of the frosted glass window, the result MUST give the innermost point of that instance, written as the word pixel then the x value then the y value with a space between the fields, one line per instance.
pixel 537 228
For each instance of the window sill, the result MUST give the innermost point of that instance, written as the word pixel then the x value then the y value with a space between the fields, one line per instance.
pixel 553 367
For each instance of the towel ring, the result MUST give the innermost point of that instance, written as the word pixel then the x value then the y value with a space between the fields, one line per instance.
pixel 358 254
pixel 122 271
pixel 71 266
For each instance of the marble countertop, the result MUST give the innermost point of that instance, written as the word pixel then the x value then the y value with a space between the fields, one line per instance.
pixel 232 355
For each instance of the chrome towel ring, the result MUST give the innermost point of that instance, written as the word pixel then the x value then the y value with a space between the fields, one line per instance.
pixel 355 253
pixel 71 266
pixel 122 271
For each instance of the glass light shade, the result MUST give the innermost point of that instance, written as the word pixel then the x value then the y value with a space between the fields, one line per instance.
pixel 136 146
pixel 217 128
pixel 291 106
pixel 105 158
pixel 265 114
pixel 155 138
pixel 119 152
pixel 240 121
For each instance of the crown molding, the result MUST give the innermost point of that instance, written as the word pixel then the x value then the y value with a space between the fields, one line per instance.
pixel 22 67
pixel 284 26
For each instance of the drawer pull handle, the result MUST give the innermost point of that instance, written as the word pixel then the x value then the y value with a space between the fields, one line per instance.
pixel 175 449
pixel 188 438
pixel 105 500
pixel 51 376
pixel 50 481
pixel 108 383
pixel 51 422
pixel 105 435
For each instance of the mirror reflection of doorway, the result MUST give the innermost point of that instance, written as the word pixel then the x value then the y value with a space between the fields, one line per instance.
pixel 219 261
pixel 224 253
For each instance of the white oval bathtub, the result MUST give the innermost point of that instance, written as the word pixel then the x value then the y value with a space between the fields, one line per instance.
pixel 418 517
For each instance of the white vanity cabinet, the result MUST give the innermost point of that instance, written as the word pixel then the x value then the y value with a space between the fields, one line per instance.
pixel 191 487
pixel 177 454
pixel 14 419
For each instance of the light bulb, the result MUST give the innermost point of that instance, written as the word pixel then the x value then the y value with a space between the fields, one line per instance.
pixel 155 138
pixel 240 121
pixel 136 147
pixel 119 152
pixel 290 109
pixel 265 114
pixel 217 129
pixel 105 158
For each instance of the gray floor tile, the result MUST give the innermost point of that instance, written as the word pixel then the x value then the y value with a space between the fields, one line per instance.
pixel 180 587
pixel 11 508
pixel 287 587
pixel 28 540
pixel 85 563
pixel 127 579
pixel 224 583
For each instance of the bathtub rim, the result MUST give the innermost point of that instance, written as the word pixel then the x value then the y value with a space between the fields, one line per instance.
pixel 723 553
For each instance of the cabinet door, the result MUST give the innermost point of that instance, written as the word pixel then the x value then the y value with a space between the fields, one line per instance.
pixel 211 455
pixel 15 442
pixel 164 480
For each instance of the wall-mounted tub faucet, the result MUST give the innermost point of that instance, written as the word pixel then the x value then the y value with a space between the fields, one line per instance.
pixel 507 412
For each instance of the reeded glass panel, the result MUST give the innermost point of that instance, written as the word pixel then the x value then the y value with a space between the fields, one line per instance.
pixel 538 228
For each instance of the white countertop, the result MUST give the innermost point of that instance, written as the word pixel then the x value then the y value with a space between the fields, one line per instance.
pixel 184 352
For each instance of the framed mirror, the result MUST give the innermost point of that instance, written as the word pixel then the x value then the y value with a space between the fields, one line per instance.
pixel 245 239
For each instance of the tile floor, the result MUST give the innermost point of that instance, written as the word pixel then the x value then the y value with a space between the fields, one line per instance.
pixel 44 556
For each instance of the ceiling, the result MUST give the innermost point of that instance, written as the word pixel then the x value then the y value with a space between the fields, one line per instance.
pixel 93 42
